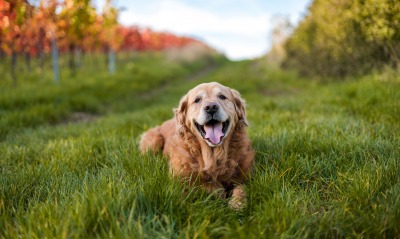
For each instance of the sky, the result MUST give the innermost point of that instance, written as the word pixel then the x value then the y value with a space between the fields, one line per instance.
pixel 240 29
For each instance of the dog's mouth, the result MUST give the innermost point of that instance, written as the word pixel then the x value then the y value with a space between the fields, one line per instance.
pixel 213 131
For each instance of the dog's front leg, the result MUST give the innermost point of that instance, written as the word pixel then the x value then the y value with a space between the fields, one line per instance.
pixel 238 200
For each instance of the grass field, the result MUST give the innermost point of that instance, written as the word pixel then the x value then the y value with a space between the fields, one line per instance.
pixel 327 155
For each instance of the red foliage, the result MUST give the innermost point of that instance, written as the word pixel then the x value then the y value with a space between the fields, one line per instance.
pixel 39 25
pixel 138 39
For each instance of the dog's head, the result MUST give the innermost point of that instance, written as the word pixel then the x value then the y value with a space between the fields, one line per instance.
pixel 211 111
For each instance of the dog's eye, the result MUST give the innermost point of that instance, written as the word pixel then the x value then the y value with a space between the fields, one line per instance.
pixel 222 97
pixel 197 100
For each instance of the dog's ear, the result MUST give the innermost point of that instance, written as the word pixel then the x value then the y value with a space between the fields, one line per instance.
pixel 240 107
pixel 180 112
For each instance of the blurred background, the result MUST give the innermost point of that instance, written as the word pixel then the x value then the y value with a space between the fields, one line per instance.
pixel 317 38
pixel 240 29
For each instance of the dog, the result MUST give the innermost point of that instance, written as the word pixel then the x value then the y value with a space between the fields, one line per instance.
pixel 206 141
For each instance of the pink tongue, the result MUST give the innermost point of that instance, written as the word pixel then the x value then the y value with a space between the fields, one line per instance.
pixel 214 132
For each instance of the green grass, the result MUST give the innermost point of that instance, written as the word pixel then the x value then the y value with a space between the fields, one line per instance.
pixel 327 156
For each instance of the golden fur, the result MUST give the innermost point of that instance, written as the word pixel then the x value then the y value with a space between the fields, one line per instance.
pixel 220 165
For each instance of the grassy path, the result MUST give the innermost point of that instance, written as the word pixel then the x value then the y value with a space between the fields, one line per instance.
pixel 327 158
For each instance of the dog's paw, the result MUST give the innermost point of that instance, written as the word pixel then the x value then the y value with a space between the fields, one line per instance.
pixel 237 204
pixel 238 200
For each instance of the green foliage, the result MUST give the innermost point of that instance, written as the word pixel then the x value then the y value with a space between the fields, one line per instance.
pixel 345 37
pixel 326 157
pixel 76 17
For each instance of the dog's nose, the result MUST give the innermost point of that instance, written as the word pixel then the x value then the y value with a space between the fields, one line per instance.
pixel 211 108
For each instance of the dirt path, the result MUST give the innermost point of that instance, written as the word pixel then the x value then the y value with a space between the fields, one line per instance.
pixel 202 73
pixel 83 117
pixel 192 77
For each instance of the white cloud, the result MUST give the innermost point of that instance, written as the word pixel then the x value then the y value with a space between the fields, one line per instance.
pixel 239 36
pixel 239 28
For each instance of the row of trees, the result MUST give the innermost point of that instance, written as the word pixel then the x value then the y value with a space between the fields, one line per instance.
pixel 37 28
pixel 346 37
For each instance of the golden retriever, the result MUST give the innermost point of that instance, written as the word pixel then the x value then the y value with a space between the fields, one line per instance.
pixel 206 141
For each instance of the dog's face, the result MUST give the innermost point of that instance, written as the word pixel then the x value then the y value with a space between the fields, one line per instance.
pixel 211 111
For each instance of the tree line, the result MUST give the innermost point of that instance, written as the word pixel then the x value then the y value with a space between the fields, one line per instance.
pixel 73 27
pixel 338 38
